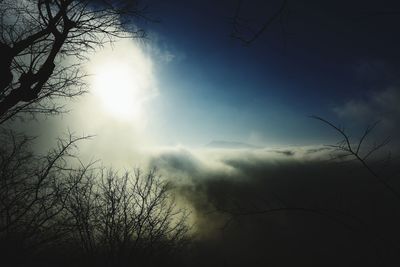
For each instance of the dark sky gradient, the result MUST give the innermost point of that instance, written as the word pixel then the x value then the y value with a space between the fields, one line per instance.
pixel 217 88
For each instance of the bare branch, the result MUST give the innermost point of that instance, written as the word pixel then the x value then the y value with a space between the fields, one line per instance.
pixel 241 28
pixel 347 147
pixel 36 42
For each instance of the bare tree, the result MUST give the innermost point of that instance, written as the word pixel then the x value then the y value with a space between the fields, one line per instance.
pixel 82 206
pixel 55 201
pixel 33 192
pixel 43 43
pixel 126 217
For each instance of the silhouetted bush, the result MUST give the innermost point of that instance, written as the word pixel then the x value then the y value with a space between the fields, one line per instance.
pixel 55 208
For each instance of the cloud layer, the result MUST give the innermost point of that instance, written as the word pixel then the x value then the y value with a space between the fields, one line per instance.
pixel 383 106
pixel 213 181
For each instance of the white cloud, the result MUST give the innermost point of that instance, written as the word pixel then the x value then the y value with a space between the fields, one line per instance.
pixel 162 52
pixel 358 110
pixel 382 105
pixel 379 106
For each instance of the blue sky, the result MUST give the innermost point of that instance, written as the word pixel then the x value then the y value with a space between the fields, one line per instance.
pixel 216 88
pixel 338 60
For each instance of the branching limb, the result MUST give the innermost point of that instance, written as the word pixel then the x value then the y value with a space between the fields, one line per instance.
pixel 355 150
pixel 242 30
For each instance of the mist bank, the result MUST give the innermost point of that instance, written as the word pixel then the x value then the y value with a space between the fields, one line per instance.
pixel 282 206
pixel 285 207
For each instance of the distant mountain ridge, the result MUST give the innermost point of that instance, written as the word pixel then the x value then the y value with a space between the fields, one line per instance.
pixel 230 145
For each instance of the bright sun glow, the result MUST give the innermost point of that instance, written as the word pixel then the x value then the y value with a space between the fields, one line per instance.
pixel 118 88
pixel 122 80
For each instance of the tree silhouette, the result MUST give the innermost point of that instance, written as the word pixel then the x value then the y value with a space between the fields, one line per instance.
pixel 33 192
pixel 55 202
pixel 126 217
pixel 43 43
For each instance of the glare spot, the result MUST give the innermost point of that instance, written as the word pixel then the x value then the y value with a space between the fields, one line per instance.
pixel 122 79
